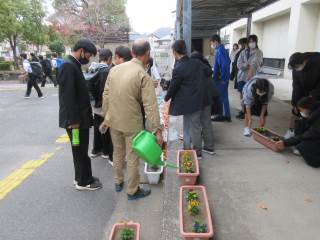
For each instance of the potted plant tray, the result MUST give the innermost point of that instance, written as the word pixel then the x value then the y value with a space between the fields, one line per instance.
pixel 125 231
pixel 267 138
pixel 195 224
pixel 153 172
pixel 188 167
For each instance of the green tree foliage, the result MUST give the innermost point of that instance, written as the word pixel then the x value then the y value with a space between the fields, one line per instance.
pixel 22 19
pixel 13 15
pixel 57 47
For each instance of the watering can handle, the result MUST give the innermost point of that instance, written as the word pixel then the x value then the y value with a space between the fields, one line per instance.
pixel 140 134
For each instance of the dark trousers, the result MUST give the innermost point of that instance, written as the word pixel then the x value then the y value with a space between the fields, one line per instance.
pixel 44 79
pixel 101 142
pixel 32 82
pixel 81 160
pixel 216 107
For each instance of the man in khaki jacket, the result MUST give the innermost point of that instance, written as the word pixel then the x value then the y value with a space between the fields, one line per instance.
pixel 127 87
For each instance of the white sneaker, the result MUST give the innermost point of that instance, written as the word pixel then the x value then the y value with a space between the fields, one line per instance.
pixel 110 162
pixel 105 156
pixel 289 134
pixel 296 152
pixel 247 132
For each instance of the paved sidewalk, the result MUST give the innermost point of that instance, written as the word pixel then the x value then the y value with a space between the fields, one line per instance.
pixel 255 194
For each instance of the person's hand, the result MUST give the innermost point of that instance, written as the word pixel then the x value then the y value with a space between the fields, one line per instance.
pixel 155 83
pixel 159 137
pixel 280 145
pixel 104 125
pixel 74 126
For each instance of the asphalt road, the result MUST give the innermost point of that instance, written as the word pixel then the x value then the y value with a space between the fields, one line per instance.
pixel 45 204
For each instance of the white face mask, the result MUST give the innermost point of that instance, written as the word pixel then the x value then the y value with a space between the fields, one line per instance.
pixel 304 115
pixel 252 45
pixel 213 46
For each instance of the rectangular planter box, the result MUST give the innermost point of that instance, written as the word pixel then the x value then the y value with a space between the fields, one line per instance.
pixel 206 213
pixel 119 226
pixel 267 142
pixel 188 178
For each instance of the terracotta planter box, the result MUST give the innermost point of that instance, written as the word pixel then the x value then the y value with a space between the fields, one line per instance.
pixel 265 140
pixel 188 178
pixel 187 220
pixel 116 230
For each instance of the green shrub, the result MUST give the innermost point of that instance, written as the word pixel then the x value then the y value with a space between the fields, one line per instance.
pixel 5 66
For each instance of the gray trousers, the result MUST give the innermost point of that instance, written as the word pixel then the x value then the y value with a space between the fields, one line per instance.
pixel 196 125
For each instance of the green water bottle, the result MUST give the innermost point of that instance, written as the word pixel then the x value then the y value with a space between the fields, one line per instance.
pixel 75 137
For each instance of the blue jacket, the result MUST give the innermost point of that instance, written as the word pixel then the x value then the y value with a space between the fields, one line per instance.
pixel 221 68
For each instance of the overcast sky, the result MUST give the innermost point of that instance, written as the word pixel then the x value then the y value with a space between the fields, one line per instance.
pixel 145 15
pixel 148 15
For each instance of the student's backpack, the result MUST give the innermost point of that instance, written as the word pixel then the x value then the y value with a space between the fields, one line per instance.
pixel 36 69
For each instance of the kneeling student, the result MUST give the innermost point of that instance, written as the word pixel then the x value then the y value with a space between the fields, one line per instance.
pixel 307 131
pixel 257 93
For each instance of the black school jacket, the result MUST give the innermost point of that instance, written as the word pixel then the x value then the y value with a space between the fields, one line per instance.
pixel 307 82
pixel 186 89
pixel 74 101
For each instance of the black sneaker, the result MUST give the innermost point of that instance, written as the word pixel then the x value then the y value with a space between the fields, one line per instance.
pixel 95 185
pixel 209 151
pixel 118 187
pixel 199 155
pixel 217 118
pixel 140 193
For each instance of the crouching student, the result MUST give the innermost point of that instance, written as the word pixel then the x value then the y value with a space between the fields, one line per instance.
pixel 257 93
pixel 307 132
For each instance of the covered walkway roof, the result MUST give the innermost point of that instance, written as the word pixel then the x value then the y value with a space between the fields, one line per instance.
pixel 208 16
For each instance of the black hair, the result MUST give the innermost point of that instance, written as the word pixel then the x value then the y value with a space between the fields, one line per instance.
pixel 180 47
pixel 105 54
pixel 263 86
pixel 199 56
pixel 243 41
pixel 87 45
pixel 150 62
pixel 308 103
pixel 40 57
pixel 54 55
pixel 253 37
pixel 123 52
pixel 24 55
pixel 298 58
pixel 215 37
pixel 32 55
pixel 139 49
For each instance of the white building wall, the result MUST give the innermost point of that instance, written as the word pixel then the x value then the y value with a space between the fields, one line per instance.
pixel 285 27
pixel 274 37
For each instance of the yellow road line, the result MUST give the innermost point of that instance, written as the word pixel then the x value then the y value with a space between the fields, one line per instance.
pixel 64 138
pixel 25 170
pixel 19 175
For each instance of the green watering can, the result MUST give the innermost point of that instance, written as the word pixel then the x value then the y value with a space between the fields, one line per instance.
pixel 145 145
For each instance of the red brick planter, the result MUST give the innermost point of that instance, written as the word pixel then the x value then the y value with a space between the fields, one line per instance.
pixel 266 141
pixel 187 178
pixel 204 215
pixel 116 229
